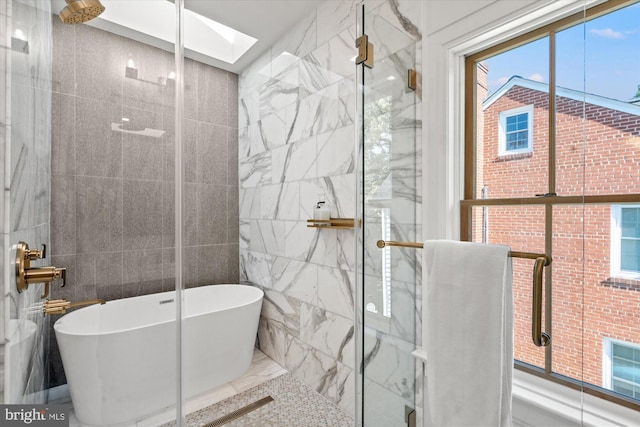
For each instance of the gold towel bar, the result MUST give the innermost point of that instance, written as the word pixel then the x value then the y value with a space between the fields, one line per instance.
pixel 541 339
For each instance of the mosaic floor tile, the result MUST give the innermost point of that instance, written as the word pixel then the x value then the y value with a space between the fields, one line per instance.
pixel 294 405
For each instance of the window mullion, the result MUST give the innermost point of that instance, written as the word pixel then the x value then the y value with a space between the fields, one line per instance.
pixel 548 241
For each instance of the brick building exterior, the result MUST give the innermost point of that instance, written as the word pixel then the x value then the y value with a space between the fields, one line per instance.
pixel 597 153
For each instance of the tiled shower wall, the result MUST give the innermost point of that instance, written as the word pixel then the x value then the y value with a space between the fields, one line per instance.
pixel 5 99
pixel 26 133
pixel 112 219
pixel 296 145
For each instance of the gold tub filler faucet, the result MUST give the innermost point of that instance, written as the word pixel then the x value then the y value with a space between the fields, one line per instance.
pixel 60 306
pixel 26 275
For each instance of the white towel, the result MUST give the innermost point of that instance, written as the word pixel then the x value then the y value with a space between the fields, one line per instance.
pixel 469 321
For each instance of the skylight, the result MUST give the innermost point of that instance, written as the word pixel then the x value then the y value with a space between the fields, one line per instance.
pixel 156 18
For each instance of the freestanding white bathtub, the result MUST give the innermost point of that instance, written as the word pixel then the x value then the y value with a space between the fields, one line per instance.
pixel 120 357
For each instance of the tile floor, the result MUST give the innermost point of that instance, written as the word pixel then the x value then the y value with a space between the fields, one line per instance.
pixel 210 405
pixel 294 405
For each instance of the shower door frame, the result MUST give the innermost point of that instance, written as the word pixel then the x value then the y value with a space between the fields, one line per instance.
pixel 403 131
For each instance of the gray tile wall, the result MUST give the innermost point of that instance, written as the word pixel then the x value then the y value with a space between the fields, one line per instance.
pixel 112 192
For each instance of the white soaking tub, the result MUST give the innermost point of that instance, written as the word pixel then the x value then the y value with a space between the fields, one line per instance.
pixel 120 357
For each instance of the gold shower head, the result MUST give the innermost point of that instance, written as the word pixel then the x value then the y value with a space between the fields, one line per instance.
pixel 78 11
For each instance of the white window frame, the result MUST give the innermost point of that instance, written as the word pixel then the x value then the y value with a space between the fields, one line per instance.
pixel 502 130
pixel 616 240
pixel 607 362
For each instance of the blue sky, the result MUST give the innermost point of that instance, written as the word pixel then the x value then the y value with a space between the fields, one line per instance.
pixel 601 56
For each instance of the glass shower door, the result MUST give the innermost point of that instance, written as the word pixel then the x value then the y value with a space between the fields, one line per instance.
pixel 389 197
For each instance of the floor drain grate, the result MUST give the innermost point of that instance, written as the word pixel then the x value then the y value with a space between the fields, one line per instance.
pixel 239 412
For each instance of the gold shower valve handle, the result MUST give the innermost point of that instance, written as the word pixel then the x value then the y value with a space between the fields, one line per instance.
pixel 34 254
pixel 26 275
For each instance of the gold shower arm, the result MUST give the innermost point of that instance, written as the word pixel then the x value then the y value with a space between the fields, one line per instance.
pixel 540 339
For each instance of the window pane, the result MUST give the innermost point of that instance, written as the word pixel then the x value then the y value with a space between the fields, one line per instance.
pixel 630 223
pixel 613 105
pixel 569 124
pixel 623 369
pixel 630 255
pixel 567 304
pixel 522 228
pixel 625 361
pixel 611 308
pixel 501 88
pixel 626 389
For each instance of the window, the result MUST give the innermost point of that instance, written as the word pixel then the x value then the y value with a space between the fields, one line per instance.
pixel 516 131
pixel 577 199
pixel 625 241
pixel 621 371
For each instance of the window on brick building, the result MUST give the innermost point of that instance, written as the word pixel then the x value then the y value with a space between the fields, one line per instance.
pixel 622 367
pixel 516 131
pixel 625 241
pixel 577 199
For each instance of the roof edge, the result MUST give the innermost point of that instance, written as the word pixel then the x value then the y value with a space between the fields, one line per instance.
pixel 576 95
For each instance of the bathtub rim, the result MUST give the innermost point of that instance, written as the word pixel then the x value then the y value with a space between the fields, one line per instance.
pixel 57 326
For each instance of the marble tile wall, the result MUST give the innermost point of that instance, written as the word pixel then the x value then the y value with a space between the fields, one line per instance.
pixel 296 144
pixel 5 140
pixel 112 220
pixel 26 134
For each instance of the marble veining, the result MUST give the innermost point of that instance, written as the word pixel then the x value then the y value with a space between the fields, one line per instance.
pixel 406 23
pixel 327 332
pixel 336 291
pixel 255 170
pixel 282 310
pixel 299 41
pixel 297 138
pixel 311 366
pixel 25 114
pixel 296 161
pixel 387 365
pixel 335 16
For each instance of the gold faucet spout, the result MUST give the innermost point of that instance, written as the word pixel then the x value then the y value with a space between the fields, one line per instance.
pixel 60 306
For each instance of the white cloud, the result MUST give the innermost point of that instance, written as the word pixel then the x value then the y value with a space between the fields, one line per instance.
pixel 502 80
pixel 536 77
pixel 607 33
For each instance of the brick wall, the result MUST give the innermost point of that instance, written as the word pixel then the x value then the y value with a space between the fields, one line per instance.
pixel 597 153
